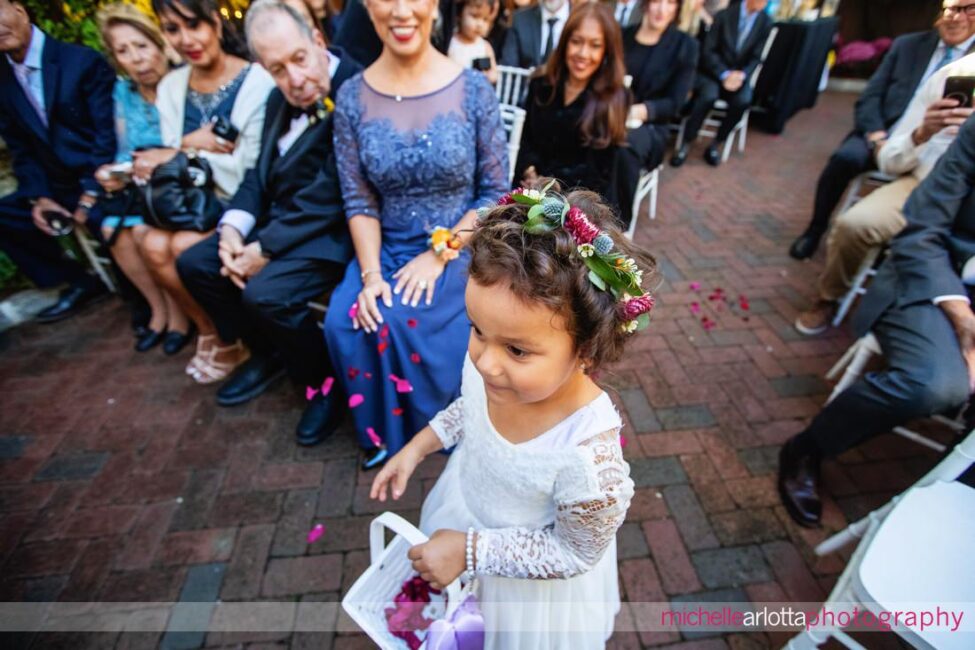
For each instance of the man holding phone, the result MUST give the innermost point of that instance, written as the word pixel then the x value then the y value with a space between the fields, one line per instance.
pixel 56 118
pixel 911 61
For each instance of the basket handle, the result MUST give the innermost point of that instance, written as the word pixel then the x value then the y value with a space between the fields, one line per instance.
pixel 411 534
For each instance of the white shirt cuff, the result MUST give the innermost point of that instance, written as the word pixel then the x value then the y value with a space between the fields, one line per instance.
pixel 940 299
pixel 240 220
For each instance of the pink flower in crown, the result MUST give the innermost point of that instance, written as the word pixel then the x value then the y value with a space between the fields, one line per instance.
pixel 579 226
pixel 506 199
pixel 635 307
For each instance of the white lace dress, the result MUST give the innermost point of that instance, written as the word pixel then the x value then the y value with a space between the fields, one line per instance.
pixel 546 512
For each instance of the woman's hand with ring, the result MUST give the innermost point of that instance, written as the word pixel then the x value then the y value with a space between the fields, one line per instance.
pixel 418 276
pixel 368 316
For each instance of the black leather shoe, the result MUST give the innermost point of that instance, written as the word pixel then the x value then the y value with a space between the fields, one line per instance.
pixel 805 245
pixel 252 378
pixel 71 301
pixel 149 340
pixel 320 419
pixel 173 342
pixel 712 155
pixel 799 486
pixel 680 156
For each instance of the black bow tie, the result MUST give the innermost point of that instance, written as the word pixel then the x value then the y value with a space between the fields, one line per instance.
pixel 317 110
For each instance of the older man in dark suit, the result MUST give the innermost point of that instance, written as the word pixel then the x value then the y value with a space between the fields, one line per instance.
pixel 284 240
pixel 912 59
pixel 56 118
pixel 732 50
pixel 534 34
pixel 919 308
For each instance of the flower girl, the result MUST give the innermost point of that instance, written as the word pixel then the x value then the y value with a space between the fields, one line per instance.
pixel 531 498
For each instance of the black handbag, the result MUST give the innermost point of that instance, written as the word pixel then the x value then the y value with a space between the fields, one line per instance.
pixel 180 195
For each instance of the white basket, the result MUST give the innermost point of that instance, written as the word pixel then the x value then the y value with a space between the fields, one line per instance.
pixel 367 600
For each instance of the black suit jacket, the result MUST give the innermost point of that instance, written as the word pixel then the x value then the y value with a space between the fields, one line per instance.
pixel 296 198
pixel 720 52
pixel 59 161
pixel 892 86
pixel 927 257
pixel 663 79
pixel 523 42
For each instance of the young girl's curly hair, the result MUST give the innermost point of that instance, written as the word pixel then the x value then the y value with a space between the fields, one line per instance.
pixel 547 268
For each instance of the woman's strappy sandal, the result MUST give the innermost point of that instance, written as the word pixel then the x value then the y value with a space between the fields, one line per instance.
pixel 206 368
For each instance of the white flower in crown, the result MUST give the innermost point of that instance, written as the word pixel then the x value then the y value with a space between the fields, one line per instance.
pixel 586 250
pixel 639 277
pixel 629 326
pixel 533 194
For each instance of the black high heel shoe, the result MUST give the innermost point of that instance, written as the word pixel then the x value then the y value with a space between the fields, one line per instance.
pixel 149 340
pixel 173 342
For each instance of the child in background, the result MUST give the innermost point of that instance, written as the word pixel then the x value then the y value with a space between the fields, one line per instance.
pixel 537 479
pixel 468 46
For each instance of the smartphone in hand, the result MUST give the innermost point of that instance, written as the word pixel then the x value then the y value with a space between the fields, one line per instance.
pixel 960 89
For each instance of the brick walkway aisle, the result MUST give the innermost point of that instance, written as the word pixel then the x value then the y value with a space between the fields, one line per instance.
pixel 121 480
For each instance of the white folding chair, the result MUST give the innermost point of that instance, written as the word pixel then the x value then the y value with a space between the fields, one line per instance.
pixel 646 187
pixel 868 269
pixel 915 549
pixel 512 85
pixel 874 179
pixel 854 360
pixel 720 109
pixel 100 262
pixel 513 119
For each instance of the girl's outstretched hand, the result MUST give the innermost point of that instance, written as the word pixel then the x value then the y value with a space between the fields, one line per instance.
pixel 396 471
pixel 441 559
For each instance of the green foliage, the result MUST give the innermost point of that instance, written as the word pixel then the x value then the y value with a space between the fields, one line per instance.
pixel 72 21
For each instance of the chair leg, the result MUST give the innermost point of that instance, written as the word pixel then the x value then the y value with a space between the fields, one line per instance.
pixel 653 193
pixel 919 439
pixel 97 263
pixel 726 151
pixel 744 131
pixel 680 134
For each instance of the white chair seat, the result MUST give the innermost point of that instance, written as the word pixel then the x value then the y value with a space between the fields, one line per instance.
pixel 922 556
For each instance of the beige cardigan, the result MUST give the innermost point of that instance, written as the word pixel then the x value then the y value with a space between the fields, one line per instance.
pixel 247 115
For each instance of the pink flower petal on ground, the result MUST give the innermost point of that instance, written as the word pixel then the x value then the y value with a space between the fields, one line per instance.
pixel 310 393
pixel 374 437
pixel 708 324
pixel 695 308
pixel 743 303
pixel 415 357
pixel 695 286
pixel 353 310
pixel 355 400
pixel 327 385
pixel 315 533
pixel 411 322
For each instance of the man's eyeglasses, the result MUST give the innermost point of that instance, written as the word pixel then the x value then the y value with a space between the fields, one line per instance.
pixel 951 12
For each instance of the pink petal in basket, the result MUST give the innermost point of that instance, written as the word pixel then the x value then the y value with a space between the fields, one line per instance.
pixel 315 533
pixel 355 400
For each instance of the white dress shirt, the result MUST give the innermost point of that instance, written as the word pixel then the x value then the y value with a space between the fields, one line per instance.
pixel 561 15
pixel 29 73
pixel 243 221
pixel 624 9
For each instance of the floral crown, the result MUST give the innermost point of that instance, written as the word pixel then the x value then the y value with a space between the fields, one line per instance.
pixel 609 270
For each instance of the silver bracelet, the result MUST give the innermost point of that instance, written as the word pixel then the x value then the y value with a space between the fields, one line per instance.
pixel 469 554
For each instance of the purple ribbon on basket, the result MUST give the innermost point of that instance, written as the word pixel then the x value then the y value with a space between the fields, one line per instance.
pixel 463 630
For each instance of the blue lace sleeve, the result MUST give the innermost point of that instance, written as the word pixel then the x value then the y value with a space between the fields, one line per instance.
pixel 357 193
pixel 492 147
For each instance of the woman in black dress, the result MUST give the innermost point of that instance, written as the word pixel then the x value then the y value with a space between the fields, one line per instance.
pixel 661 60
pixel 577 107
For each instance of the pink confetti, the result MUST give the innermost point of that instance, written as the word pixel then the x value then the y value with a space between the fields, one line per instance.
pixel 327 385
pixel 622 440
pixel 353 310
pixel 695 308
pixel 402 385
pixel 374 437
pixel 384 332
pixel 397 411
pixel 315 533
pixel 707 323
pixel 743 303
pixel 355 400
pixel 310 393
pixel 415 357
pixel 695 286
pixel 411 322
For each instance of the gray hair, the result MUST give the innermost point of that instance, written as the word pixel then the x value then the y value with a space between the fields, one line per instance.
pixel 258 17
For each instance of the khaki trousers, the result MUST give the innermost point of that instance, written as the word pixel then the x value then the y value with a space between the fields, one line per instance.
pixel 870 223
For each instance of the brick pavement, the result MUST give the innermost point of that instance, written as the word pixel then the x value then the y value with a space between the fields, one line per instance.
pixel 121 480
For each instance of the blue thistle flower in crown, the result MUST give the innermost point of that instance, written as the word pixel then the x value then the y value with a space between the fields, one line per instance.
pixel 552 207
pixel 603 244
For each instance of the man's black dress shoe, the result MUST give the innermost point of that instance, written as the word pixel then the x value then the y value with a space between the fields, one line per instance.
pixel 805 245
pixel 712 155
pixel 250 380
pixel 320 419
pixel 173 342
pixel 149 340
pixel 71 301
pixel 799 486
pixel 680 156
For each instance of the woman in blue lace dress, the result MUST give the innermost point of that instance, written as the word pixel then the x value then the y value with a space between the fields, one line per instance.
pixel 420 145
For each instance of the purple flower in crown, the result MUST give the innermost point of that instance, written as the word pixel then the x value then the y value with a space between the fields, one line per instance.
pixel 579 226
pixel 635 307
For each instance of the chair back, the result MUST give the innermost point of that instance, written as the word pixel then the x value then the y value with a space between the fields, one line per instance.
pixel 512 85
pixel 765 50
pixel 513 119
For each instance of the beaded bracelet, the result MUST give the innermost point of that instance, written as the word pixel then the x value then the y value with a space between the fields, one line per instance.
pixel 469 554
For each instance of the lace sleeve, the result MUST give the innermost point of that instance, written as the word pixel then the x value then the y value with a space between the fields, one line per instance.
pixel 357 193
pixel 448 424
pixel 492 146
pixel 591 502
